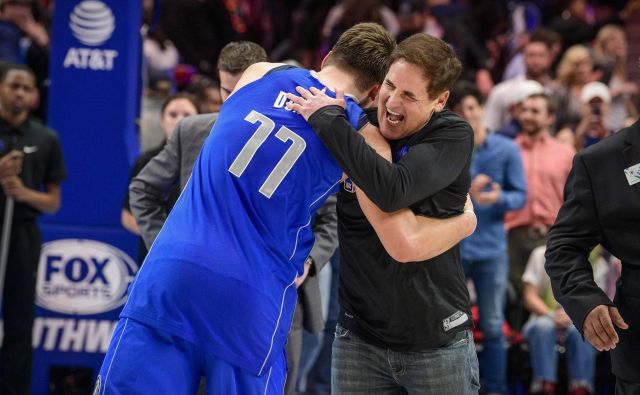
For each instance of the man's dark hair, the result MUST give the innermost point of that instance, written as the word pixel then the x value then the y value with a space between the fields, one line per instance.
pixel 551 104
pixel 236 56
pixel 363 51
pixel 439 63
pixel 545 36
pixel 5 68
pixel 461 90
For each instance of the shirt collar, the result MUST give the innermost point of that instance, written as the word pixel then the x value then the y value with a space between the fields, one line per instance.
pixel 4 125
pixel 529 143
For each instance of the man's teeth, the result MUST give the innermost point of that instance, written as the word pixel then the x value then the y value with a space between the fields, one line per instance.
pixel 393 117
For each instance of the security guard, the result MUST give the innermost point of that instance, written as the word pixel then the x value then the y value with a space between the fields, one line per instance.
pixel 31 170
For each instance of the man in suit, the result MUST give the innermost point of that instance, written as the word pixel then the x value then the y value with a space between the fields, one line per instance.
pixel 602 206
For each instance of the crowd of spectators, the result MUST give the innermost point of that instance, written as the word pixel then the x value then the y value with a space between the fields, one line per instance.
pixel 551 77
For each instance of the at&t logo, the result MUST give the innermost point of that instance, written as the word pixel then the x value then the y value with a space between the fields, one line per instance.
pixel 77 276
pixel 92 23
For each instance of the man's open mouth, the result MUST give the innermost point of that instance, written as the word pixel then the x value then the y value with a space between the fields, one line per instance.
pixel 393 118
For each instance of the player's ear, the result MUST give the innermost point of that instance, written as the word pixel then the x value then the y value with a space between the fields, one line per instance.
pixel 325 60
pixel 373 93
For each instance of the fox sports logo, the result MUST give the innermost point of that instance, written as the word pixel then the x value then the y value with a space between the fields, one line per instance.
pixel 78 276
pixel 92 22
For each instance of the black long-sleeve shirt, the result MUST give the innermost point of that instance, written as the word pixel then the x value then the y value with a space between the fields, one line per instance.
pixel 404 306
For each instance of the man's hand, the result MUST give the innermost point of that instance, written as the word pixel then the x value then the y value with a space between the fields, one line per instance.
pixel 36 31
pixel 598 327
pixel 14 187
pixel 11 164
pixel 312 100
pixel 478 193
pixel 561 319
pixel 300 279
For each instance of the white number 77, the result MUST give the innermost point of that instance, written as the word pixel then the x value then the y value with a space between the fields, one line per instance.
pixel 285 164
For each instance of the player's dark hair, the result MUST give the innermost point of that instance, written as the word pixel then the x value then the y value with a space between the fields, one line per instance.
pixel 363 51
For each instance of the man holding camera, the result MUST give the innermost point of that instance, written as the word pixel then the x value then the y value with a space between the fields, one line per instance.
pixel 595 98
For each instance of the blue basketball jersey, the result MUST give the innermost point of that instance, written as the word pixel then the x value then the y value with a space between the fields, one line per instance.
pixel 221 271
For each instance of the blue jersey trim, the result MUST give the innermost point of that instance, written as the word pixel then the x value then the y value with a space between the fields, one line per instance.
pixel 275 330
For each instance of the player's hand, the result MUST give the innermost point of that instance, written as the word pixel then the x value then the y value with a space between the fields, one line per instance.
pixel 598 327
pixel 11 164
pixel 312 100
pixel 300 279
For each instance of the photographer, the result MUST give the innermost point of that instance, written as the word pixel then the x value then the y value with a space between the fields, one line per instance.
pixel 595 98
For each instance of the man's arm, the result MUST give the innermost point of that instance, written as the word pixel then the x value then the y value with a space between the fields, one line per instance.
pixel 408 237
pixel 514 191
pixel 427 168
pixel 575 233
pixel 148 189
pixel 47 201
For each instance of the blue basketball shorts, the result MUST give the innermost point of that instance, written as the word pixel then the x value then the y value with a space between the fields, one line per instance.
pixel 145 360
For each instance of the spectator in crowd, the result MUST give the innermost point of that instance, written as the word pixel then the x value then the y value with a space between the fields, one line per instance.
pixel 173 110
pixel 198 29
pixel 521 89
pixel 595 100
pixel 516 66
pixel 415 17
pixel 602 206
pixel 576 21
pixel 549 325
pixel 24 39
pixel 160 56
pixel 610 54
pixel 575 70
pixel 547 162
pixel 405 314
pixel 349 12
pixel 31 171
pixel 497 186
pixel 538 56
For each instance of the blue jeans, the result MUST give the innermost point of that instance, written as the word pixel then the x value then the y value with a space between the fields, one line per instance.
pixel 541 334
pixel 490 280
pixel 361 368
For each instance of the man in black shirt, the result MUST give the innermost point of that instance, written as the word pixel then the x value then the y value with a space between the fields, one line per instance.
pixel 405 319
pixel 31 170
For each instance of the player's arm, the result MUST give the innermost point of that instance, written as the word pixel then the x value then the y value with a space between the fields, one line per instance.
pixel 408 237
pixel 255 72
